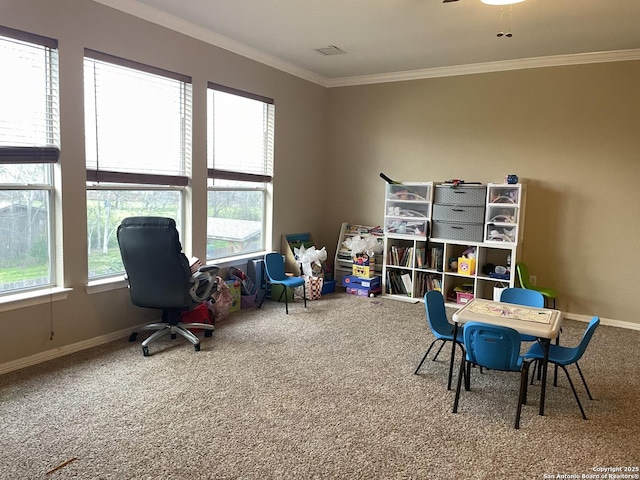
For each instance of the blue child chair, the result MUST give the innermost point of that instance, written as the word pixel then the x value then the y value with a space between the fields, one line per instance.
pixel 440 326
pixel 564 356
pixel 496 348
pixel 274 268
pixel 523 296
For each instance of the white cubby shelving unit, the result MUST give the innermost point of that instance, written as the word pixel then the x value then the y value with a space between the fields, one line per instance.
pixel 414 263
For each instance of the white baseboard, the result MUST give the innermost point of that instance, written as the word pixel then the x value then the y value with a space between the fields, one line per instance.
pixel 603 321
pixel 62 351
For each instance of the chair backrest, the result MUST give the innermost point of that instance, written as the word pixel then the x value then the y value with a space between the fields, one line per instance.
pixel 157 270
pixel 274 266
pixel 492 346
pixel 584 342
pixel 523 275
pixel 437 313
pixel 522 296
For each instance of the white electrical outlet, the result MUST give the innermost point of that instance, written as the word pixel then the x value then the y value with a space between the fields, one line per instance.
pixel 533 279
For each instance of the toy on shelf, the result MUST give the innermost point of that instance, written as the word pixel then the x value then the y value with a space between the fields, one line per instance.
pixel 503 216
pixel 504 197
pixel 502 235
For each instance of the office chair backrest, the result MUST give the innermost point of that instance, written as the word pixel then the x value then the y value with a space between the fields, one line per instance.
pixel 274 266
pixel 523 275
pixel 492 346
pixel 586 338
pixel 522 296
pixel 436 313
pixel 157 270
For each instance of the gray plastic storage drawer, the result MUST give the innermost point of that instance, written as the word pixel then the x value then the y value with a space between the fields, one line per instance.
pixel 460 195
pixel 468 232
pixel 458 213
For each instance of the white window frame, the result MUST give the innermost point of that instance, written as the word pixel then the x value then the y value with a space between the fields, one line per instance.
pixel 248 181
pixel 141 178
pixel 36 152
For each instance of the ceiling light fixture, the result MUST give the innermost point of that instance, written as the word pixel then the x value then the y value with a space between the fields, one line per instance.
pixel 501 2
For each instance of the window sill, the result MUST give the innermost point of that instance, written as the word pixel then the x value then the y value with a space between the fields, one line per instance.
pixel 115 283
pixel 106 285
pixel 34 297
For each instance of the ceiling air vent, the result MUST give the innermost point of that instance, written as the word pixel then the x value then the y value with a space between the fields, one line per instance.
pixel 330 50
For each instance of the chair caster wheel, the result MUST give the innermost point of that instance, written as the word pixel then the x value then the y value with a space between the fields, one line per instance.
pixel 173 336
pixel 145 351
pixel 197 347
pixel 208 333
pixel 133 336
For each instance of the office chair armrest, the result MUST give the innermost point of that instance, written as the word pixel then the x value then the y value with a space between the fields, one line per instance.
pixel 204 280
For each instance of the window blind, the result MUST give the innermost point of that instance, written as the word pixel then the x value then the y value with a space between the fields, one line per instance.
pixel 29 116
pixel 241 135
pixel 137 122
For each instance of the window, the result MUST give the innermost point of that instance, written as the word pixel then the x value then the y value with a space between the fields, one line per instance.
pixel 138 150
pixel 29 146
pixel 240 171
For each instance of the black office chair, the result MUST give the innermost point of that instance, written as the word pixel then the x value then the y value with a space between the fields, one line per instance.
pixel 159 277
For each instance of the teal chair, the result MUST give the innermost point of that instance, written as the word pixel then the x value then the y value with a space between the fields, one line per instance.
pixel 496 348
pixel 565 356
pixel 549 294
pixel 438 323
pixel 274 268
pixel 522 296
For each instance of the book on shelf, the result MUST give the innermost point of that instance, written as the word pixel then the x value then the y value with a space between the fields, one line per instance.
pixel 436 256
pixel 408 283
pixel 425 282
pixel 395 284
pixel 420 258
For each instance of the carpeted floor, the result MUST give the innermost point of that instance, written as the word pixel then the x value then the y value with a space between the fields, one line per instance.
pixel 323 393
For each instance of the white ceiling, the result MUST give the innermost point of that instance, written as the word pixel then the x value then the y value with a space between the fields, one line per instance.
pixel 393 39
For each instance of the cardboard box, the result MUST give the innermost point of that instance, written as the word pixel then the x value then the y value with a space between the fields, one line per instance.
pixel 466 266
pixel 361 282
pixel 362 292
pixel 296 240
pixel 364 271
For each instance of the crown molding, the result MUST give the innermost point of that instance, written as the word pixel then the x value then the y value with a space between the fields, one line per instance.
pixel 488 67
pixel 172 22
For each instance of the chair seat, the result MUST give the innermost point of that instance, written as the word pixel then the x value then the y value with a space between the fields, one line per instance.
pixel 557 354
pixel 291 282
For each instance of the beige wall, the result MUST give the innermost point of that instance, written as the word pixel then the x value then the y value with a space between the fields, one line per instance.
pixel 570 133
pixel 300 149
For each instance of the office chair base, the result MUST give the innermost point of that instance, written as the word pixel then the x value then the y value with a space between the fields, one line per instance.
pixel 162 329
